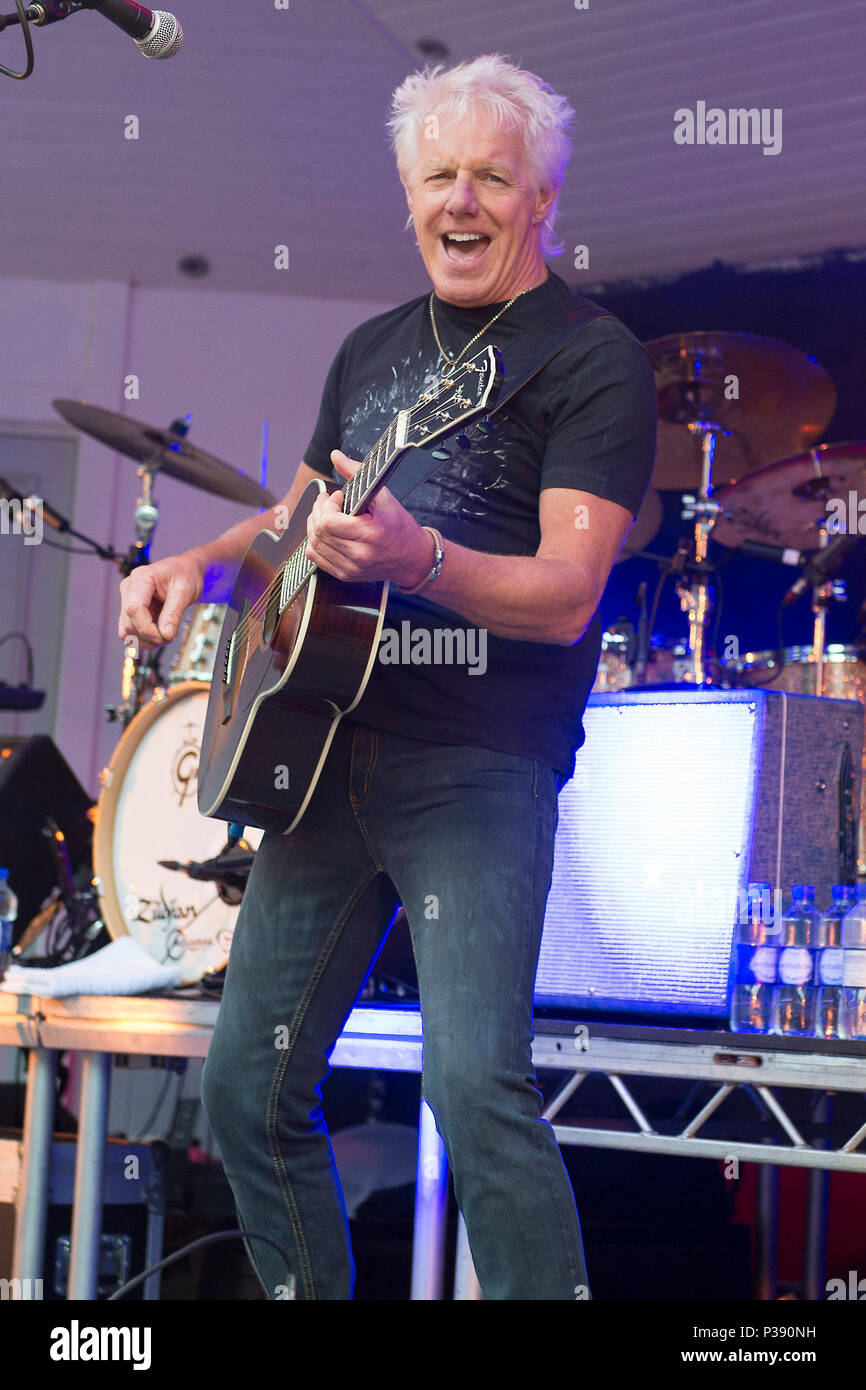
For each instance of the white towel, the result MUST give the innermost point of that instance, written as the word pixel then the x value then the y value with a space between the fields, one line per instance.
pixel 122 967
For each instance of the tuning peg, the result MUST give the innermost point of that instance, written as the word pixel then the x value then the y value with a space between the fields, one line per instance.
pixel 486 426
pixel 464 440
pixel 441 454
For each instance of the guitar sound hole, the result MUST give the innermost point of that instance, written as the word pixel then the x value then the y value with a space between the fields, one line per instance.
pixel 272 618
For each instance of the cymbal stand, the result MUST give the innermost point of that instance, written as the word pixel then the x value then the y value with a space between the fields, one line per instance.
pixel 694 586
pixel 822 596
pixel 139 670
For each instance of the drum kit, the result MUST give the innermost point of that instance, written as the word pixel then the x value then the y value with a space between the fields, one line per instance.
pixel 743 411
pixel 163 873
pixel 735 410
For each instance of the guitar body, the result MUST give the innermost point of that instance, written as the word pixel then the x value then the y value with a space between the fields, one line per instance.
pixel 281 688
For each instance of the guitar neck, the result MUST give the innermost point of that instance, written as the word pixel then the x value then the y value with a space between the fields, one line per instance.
pixel 384 456
pixel 461 396
pixel 375 467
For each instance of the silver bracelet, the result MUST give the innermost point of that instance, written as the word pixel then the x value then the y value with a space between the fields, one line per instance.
pixel 438 557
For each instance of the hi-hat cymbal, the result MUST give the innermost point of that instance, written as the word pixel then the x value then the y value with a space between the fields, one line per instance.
pixel 774 399
pixel 647 523
pixel 169 451
pixel 785 503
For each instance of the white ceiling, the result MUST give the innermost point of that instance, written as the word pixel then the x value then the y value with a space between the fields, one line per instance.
pixel 268 128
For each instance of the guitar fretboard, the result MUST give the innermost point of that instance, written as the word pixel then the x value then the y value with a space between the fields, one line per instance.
pixel 293 575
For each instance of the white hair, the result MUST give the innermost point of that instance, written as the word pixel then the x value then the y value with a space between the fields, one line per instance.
pixel 516 98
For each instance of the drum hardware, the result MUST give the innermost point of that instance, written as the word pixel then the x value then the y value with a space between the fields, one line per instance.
pixel 663 667
pixel 786 503
pixel 823 594
pixel 199 641
pixel 228 870
pixel 692 561
pixel 643 635
pixel 781 503
pixel 214 980
pixel 727 403
pixel 167 451
pixel 141 675
pixel 70 917
pixel 771 399
pixel 154 450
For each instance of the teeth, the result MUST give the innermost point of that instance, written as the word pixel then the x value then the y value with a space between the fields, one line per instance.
pixel 463 236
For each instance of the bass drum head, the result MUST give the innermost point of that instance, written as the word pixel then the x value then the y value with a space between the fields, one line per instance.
pixel 148 811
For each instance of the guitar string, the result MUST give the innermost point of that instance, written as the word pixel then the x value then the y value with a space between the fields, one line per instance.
pixel 259 608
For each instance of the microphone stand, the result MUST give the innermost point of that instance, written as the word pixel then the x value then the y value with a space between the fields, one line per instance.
pixel 45 12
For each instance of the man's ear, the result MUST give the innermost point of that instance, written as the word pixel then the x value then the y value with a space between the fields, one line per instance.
pixel 544 202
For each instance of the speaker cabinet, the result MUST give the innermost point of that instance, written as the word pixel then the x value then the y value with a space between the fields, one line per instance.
pixel 37 782
pixel 679 800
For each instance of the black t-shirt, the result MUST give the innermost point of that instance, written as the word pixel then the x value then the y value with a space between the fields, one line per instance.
pixel 587 420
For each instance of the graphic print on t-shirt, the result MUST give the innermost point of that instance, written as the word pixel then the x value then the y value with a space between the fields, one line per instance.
pixel 457 489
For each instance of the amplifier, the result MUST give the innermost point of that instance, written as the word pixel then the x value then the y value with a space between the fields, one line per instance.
pixel 679 801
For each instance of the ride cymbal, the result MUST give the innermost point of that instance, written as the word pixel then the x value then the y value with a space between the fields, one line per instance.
pixel 773 399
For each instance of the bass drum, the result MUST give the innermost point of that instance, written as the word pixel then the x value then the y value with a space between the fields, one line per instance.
pixel 844 679
pixel 148 811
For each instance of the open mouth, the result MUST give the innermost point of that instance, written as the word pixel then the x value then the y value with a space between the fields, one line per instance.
pixel 464 248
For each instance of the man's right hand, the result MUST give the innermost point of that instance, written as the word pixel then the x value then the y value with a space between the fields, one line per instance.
pixel 154 598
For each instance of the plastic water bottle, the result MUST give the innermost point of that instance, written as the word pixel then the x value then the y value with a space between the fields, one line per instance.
pixel 828 962
pixel 756 961
pixel 854 968
pixel 794 1002
pixel 8 913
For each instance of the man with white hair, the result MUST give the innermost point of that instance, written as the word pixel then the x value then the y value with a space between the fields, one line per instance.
pixel 440 790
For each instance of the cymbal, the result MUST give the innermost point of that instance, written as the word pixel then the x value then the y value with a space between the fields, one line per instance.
pixel 785 503
pixel 172 453
pixel 647 523
pixel 774 399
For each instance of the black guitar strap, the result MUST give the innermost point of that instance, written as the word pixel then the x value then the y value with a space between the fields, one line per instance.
pixel 536 346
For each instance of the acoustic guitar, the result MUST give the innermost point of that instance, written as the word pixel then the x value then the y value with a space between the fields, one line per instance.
pixel 297 646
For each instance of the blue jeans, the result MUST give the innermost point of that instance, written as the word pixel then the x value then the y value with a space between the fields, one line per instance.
pixel 463 837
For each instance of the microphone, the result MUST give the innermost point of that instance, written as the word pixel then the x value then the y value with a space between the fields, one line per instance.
pixel 157 33
pixel 821 565
pixel 31 506
pixel 780 554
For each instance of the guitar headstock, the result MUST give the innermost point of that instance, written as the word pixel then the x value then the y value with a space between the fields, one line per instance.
pixel 462 396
